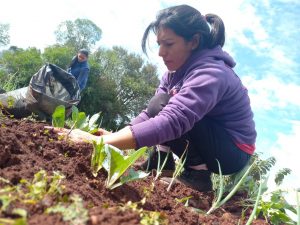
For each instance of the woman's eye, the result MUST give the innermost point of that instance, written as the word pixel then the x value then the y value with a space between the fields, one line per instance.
pixel 169 44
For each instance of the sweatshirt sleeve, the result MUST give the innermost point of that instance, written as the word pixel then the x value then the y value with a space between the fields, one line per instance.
pixel 198 95
pixel 82 78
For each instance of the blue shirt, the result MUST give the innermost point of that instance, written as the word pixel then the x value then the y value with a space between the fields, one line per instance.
pixel 80 70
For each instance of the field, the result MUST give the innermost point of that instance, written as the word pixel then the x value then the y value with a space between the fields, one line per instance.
pixel 47 180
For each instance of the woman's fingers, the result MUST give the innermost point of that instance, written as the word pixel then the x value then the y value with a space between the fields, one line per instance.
pixel 75 135
pixel 101 132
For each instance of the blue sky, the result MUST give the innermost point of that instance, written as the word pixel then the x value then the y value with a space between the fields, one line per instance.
pixel 261 36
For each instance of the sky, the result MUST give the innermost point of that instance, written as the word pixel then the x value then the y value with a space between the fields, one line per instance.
pixel 260 35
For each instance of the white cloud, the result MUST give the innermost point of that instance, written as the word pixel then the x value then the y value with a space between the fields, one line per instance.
pixel 271 92
pixel 287 154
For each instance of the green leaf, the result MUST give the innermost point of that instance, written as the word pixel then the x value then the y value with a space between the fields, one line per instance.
pixel 74 113
pixel 118 164
pixel 58 116
pixel 81 121
pixel 93 121
pixel 132 176
pixel 98 157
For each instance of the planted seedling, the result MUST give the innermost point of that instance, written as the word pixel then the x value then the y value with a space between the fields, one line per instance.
pixel 219 201
pixel 115 163
pixel 160 167
pixel 179 166
pixel 58 116
pixel 73 212
pixel 78 120
pixel 98 157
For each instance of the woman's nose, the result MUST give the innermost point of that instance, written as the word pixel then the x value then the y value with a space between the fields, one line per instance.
pixel 161 51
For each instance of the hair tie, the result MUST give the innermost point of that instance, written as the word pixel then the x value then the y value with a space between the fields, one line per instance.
pixel 208 24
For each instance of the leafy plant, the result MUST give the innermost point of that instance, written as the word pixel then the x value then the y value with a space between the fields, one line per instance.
pixel 98 156
pixel 219 201
pixel 115 163
pixel 78 119
pixel 147 217
pixel 58 116
pixel 74 212
pixel 275 209
pixel 31 192
pixel 22 220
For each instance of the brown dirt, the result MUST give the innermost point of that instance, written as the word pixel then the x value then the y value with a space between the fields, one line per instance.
pixel 25 149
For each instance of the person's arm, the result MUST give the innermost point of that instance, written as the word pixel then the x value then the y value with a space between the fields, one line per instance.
pixel 123 139
pixel 82 78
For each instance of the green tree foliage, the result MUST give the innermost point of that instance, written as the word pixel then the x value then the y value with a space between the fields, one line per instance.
pixel 4 36
pixel 18 66
pixel 58 55
pixel 82 33
pixel 119 86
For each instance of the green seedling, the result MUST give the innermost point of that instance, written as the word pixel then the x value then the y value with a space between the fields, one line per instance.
pixel 147 217
pixel 275 209
pixel 219 201
pixel 160 167
pixel 78 120
pixel 42 185
pixel 115 163
pixel 253 214
pixel 185 200
pixel 179 166
pixel 98 157
pixel 19 221
pixel 74 212
pixel 58 116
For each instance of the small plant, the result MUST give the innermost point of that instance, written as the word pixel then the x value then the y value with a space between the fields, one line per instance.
pixel 58 116
pixel 147 217
pixel 73 212
pixel 160 167
pixel 31 192
pixel 219 201
pixel 178 167
pixel 78 120
pixel 115 163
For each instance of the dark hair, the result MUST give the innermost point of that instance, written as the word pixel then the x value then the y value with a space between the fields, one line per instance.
pixel 187 21
pixel 84 51
pixel 75 58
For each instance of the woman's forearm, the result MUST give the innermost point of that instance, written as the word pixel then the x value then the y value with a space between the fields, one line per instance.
pixel 123 139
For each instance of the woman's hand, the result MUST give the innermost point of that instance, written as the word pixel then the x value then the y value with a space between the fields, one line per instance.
pixel 76 135
pixel 101 132
pixel 123 139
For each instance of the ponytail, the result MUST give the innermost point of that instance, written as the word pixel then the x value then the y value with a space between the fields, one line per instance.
pixel 217 31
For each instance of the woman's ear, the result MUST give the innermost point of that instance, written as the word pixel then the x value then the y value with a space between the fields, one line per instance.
pixel 195 41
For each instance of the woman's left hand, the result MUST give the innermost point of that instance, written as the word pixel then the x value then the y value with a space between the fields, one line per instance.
pixel 76 135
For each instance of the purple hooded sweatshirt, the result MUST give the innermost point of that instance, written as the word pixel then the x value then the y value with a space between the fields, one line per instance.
pixel 205 85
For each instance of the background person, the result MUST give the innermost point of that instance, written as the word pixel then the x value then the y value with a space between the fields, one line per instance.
pixel 80 68
pixel 200 104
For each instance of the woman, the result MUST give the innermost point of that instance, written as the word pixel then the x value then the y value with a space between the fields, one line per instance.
pixel 79 68
pixel 200 104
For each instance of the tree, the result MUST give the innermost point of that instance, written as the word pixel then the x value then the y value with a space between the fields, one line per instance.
pixel 119 86
pixel 18 66
pixel 58 55
pixel 82 33
pixel 4 36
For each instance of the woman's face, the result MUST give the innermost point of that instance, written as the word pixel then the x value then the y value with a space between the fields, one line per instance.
pixel 173 49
